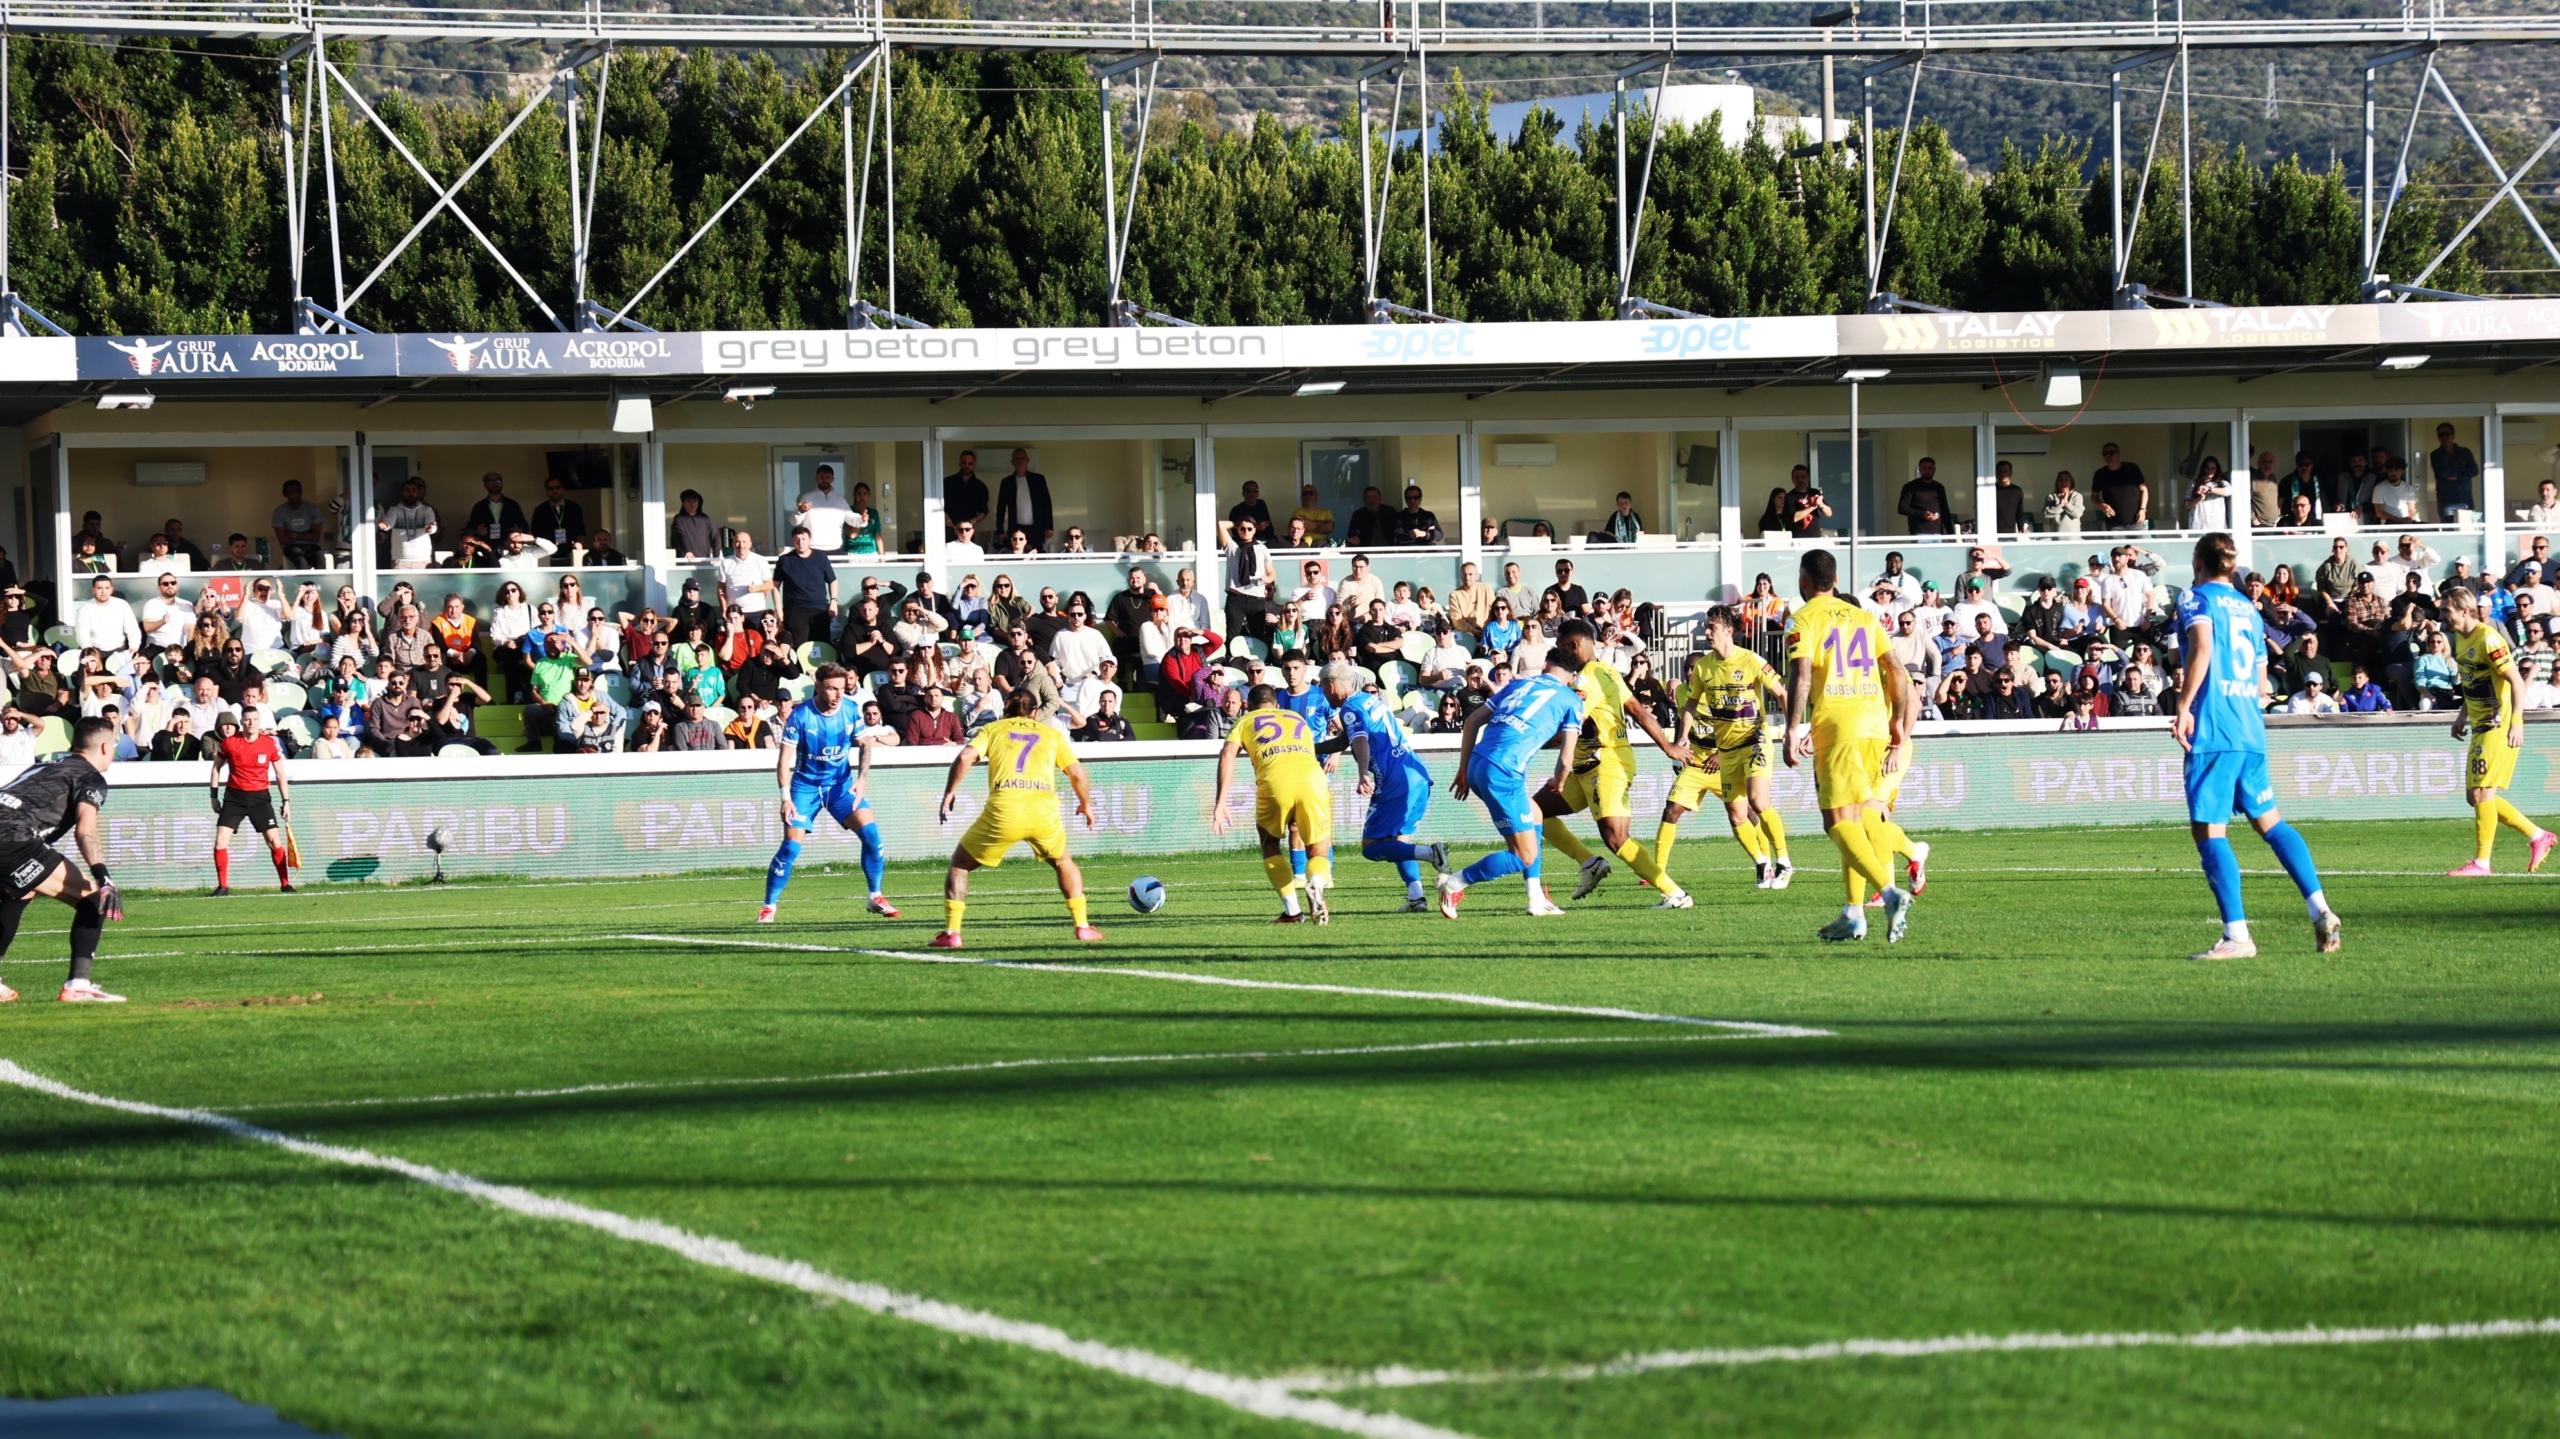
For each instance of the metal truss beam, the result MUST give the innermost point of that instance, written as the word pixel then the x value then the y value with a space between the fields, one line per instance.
pixel 1377 176
pixel 1880 235
pixel 1484 27
pixel 2378 228
pixel 1630 231
pixel 2124 229
pixel 1119 217
pixel 879 136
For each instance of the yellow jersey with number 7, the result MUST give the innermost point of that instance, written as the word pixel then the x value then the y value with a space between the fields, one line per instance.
pixel 1847 648
pixel 1022 757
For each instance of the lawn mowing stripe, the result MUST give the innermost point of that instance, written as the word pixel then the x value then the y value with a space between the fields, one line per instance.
pixel 2309 1336
pixel 984 1066
pixel 1252 1396
pixel 1488 1001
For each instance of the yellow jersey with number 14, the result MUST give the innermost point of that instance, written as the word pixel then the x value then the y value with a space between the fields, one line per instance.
pixel 1847 648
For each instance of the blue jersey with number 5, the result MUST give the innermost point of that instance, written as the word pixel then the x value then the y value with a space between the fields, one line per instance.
pixel 2234 652
pixel 1524 716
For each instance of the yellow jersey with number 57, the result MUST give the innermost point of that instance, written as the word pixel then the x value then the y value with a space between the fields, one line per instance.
pixel 1281 746
pixel 1847 649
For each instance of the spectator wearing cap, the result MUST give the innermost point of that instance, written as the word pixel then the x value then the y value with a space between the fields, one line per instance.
pixel 2314 698
pixel 1178 670
pixel 2366 618
pixel 653 735
pixel 2040 624
pixel 932 723
pixel 1974 606
pixel 1884 602
pixel 1155 637
pixel 1080 698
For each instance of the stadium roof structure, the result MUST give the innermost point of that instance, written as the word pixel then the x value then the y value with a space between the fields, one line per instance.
pixel 1216 363
pixel 1391 42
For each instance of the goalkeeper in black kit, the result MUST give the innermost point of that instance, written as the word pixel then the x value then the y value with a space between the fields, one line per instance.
pixel 36 809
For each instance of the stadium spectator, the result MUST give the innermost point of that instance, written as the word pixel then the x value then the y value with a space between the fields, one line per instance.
pixel 1022 503
pixel 1923 506
pixel 1372 524
pixel 2544 512
pixel 2434 675
pixel 1106 724
pixel 299 528
pixel 1126 616
pixel 589 721
pixel 1249 577
pixel 2065 507
pixel 2124 496
pixel 495 516
pixel 2314 698
pixel 409 527
pixel 2364 696
pixel 1312 513
pixel 964 495
pixel 2395 497
pixel 1251 507
pixel 750 727
pixel 746 578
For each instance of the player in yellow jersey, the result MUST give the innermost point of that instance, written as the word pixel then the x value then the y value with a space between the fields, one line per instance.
pixel 1289 793
pixel 1604 770
pixel 2494 716
pixel 1727 696
pixel 1915 872
pixel 1023 758
pixel 1843 679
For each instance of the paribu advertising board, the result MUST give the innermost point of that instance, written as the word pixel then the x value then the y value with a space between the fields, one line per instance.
pixel 355 829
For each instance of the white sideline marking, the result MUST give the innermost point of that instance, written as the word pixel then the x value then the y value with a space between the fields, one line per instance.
pixel 2305 1337
pixel 1252 1396
pixel 1488 1001
pixel 986 1066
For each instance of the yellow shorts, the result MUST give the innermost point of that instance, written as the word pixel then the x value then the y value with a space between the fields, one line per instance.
pixel 2492 762
pixel 1847 773
pixel 1308 806
pixel 1741 765
pixel 995 832
pixel 1889 788
pixel 1601 789
pixel 1697 784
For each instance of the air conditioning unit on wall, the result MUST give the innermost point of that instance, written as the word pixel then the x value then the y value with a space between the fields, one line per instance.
pixel 163 474
pixel 1525 455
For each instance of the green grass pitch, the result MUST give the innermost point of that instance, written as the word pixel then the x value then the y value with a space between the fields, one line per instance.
pixel 2033 1117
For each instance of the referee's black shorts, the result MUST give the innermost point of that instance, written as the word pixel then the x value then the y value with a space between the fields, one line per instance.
pixel 255 806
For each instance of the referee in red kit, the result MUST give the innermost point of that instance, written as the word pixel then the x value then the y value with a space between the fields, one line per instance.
pixel 249 786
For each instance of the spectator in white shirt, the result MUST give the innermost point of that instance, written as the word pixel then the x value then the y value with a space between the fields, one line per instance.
pixel 1155 637
pixel 824 512
pixel 166 616
pixel 2395 497
pixel 2315 698
pixel 1079 650
pixel 1190 607
pixel 2417 559
pixel 1976 604
pixel 2124 592
pixel 525 553
pixel 1359 587
pixel 1083 697
pixel 962 548
pixel 206 705
pixel 1445 668
pixel 17 743
pixel 1402 612
pixel 163 560
pixel 918 627
pixel 1314 597
pixel 412 527
pixel 260 621
pixel 746 578
pixel 106 623
pixel 2544 512
pixel 1906 585
pixel 332 743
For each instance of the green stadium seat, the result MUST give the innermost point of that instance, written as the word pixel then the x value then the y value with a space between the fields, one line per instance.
pixel 1150 730
pixel 1139 706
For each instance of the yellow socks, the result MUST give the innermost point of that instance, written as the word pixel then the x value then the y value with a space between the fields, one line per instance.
pixel 951 912
pixel 1752 842
pixel 1320 869
pixel 1776 831
pixel 1665 835
pixel 1646 870
pixel 1075 909
pixel 1562 838
pixel 1277 867
pixel 1859 866
pixel 1887 837
pixel 2493 812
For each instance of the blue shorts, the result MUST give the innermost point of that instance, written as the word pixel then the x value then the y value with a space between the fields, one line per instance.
pixel 1403 794
pixel 1505 794
pixel 2221 783
pixel 834 798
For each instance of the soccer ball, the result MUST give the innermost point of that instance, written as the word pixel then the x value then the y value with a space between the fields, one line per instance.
pixel 1146 894
pixel 438 840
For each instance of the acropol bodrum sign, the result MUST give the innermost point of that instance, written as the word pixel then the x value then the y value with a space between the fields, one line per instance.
pixel 234 357
pixel 424 356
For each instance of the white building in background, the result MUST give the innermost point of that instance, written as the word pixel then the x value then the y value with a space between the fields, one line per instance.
pixel 1729 108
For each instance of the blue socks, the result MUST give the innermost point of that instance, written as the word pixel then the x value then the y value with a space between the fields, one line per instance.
pixel 2222 873
pixel 778 873
pixel 2294 853
pixel 1493 866
pixel 874 861
pixel 1297 861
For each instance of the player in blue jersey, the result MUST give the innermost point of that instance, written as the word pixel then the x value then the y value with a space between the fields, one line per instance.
pixel 1500 741
pixel 1391 775
pixel 2224 732
pixel 824 767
